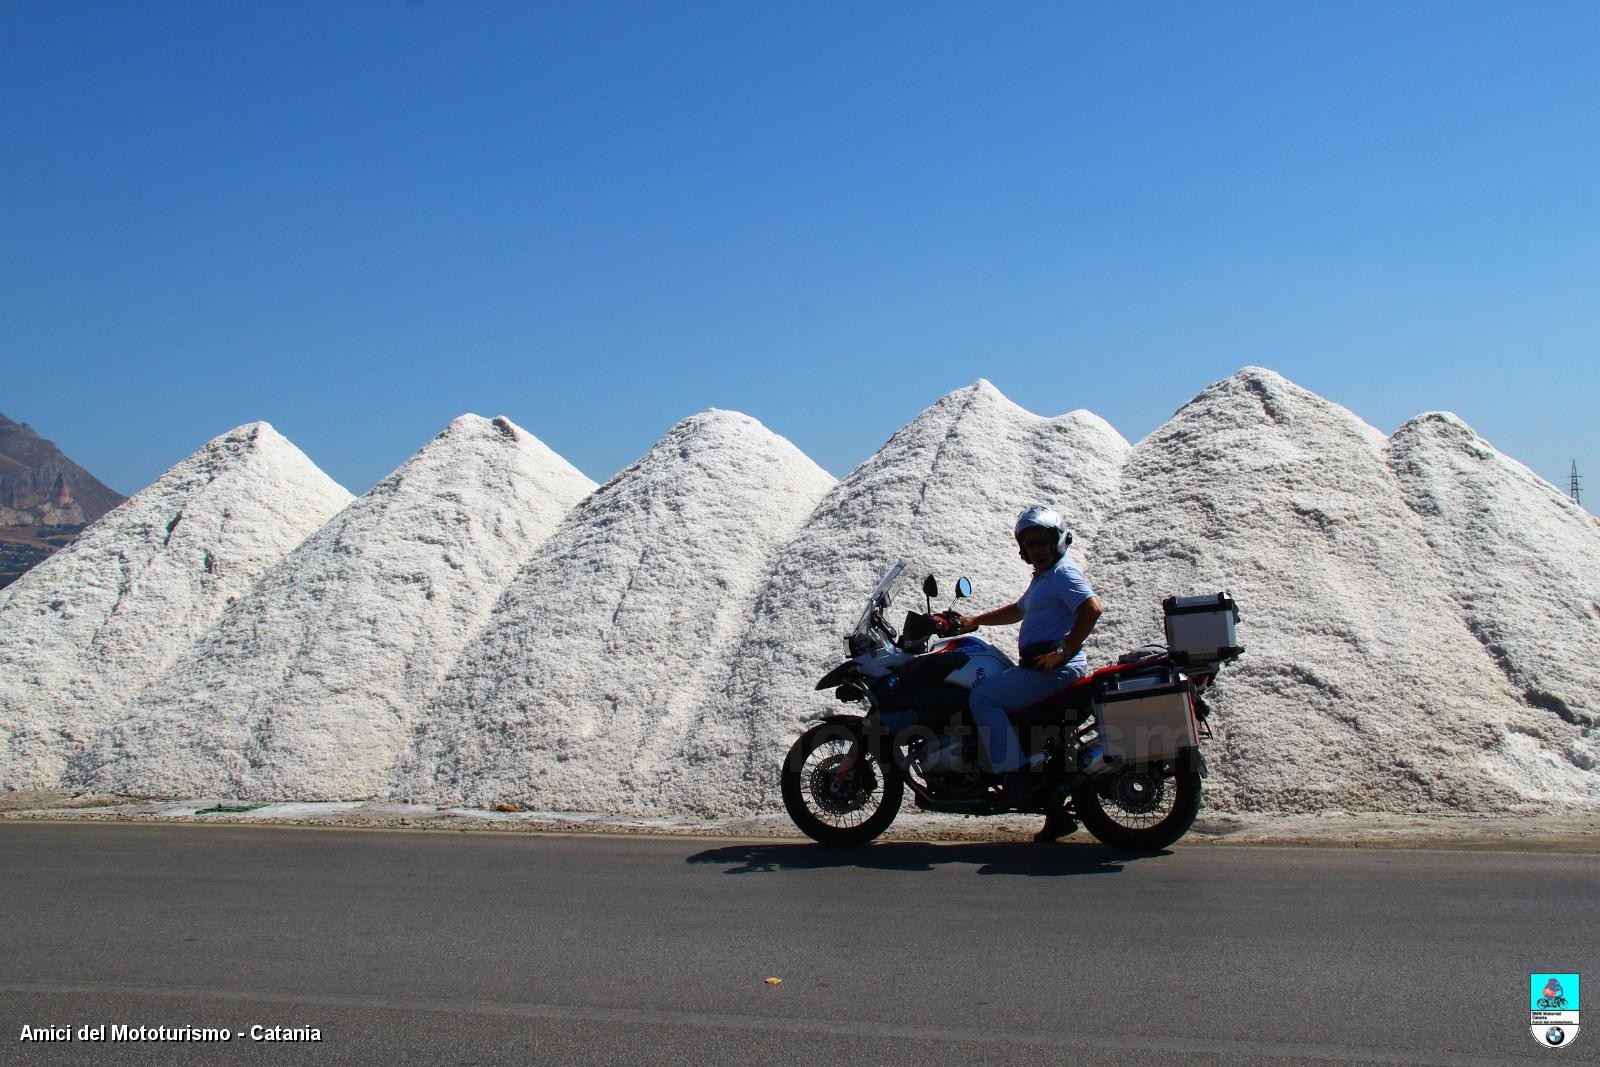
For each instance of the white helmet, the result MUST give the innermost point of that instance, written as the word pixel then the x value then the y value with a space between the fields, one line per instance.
pixel 1043 518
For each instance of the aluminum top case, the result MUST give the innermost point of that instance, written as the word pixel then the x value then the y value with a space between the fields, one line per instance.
pixel 1200 629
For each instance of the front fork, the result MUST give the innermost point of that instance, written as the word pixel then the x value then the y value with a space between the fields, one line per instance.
pixel 864 736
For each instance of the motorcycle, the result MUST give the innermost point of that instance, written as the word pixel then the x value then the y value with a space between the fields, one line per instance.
pixel 1120 746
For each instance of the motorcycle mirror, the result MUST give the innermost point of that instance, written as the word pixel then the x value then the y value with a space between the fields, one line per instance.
pixel 930 586
pixel 963 588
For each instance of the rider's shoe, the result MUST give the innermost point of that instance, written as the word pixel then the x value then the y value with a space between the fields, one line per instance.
pixel 1057 824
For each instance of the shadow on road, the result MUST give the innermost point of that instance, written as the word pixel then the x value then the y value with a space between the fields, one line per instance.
pixel 988 857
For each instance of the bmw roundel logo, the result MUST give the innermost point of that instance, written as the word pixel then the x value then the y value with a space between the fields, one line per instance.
pixel 1554 1036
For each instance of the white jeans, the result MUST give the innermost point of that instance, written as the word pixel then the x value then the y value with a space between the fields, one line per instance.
pixel 994 700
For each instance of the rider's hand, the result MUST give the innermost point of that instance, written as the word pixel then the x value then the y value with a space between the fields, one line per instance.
pixel 965 624
pixel 1050 661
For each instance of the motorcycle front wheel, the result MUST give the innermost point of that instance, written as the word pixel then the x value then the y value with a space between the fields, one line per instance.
pixel 836 791
pixel 1139 809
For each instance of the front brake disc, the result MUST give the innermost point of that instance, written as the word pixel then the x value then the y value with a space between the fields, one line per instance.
pixel 839 790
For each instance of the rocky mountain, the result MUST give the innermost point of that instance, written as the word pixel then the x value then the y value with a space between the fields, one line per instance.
pixel 45 499
pixel 40 486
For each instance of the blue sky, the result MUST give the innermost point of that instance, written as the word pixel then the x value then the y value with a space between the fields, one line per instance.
pixel 359 220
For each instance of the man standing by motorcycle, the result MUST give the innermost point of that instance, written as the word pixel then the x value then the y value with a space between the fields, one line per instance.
pixel 1057 613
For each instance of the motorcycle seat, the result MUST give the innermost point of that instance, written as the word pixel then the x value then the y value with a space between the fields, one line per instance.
pixel 1074 697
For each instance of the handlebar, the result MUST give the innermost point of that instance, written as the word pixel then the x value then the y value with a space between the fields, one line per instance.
pixel 919 627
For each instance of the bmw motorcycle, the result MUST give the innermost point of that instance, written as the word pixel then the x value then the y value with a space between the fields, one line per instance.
pixel 1120 746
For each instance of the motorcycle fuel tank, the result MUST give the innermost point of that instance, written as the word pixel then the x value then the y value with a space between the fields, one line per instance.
pixel 983 660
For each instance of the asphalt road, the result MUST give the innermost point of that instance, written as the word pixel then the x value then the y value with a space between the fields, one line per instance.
pixel 451 948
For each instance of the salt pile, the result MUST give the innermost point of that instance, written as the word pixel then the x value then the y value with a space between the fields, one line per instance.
pixel 307 688
pixel 945 491
pixel 1420 612
pixel 612 640
pixel 1522 560
pixel 1362 688
pixel 85 630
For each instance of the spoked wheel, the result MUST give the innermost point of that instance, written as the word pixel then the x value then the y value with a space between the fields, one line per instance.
pixel 836 791
pixel 1139 809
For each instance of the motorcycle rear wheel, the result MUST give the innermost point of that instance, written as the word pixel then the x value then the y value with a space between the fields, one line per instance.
pixel 1139 809
pixel 835 799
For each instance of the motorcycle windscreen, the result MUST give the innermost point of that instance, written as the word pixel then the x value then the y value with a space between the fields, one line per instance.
pixel 882 595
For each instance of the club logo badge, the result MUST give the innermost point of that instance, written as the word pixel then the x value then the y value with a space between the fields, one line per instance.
pixel 1553 1007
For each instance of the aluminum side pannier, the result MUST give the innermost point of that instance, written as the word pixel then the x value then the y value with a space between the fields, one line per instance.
pixel 1147 718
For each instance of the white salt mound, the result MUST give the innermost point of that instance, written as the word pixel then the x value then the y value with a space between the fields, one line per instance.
pixel 307 688
pixel 610 641
pixel 86 629
pixel 1362 688
pixel 1420 613
pixel 945 490
pixel 1522 560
